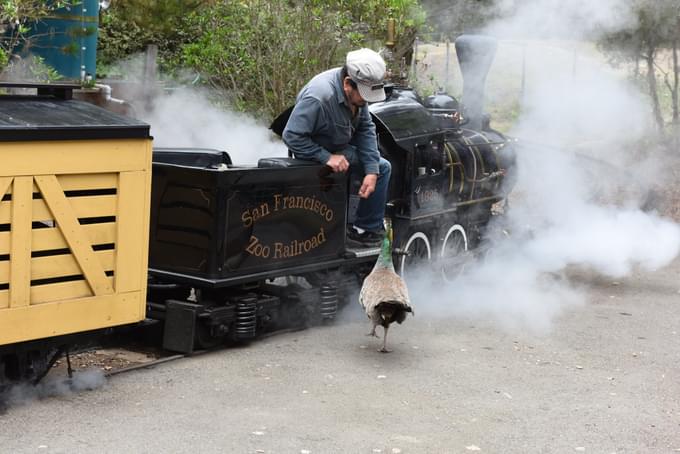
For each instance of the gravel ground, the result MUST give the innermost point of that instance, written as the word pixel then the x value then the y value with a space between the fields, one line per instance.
pixel 603 380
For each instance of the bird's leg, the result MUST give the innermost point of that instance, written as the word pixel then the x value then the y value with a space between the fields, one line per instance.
pixel 372 333
pixel 384 346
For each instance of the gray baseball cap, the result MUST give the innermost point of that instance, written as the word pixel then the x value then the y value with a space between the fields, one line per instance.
pixel 367 69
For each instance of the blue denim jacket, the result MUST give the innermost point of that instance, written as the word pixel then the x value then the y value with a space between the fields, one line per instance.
pixel 321 123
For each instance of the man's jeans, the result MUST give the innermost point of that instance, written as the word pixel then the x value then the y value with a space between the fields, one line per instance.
pixel 371 211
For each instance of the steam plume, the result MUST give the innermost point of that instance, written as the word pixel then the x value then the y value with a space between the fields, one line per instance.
pixel 579 127
pixel 190 117
pixel 187 118
pixel 52 387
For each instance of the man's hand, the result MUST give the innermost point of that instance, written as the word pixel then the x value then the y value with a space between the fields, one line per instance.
pixel 368 185
pixel 338 163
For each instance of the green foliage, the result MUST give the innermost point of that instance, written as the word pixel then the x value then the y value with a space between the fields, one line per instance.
pixel 23 11
pixel 655 26
pixel 128 26
pixel 16 19
pixel 118 39
pixel 70 49
pixel 35 69
pixel 42 71
pixel 258 51
pixel 261 52
pixel 451 18
pixel 81 32
pixel 655 30
pixel 89 82
pixel 159 17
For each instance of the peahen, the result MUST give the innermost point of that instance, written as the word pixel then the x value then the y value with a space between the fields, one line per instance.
pixel 384 295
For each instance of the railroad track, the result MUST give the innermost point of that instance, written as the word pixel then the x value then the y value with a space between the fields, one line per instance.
pixel 150 364
pixel 110 363
pixel 116 356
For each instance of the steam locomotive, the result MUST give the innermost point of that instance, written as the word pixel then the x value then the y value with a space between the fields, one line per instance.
pixel 260 248
pixel 236 251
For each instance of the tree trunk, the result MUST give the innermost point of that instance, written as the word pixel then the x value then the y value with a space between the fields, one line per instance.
pixel 653 90
pixel 675 134
pixel 674 91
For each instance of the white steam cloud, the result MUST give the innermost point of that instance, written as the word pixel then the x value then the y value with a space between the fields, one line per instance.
pixel 578 127
pixel 191 116
pixel 187 118
pixel 20 394
pixel 574 19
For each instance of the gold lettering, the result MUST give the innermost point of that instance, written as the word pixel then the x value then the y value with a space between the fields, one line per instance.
pixel 281 202
pixel 257 249
pixel 292 249
pixel 251 246
pixel 250 216
pixel 246 218
pixel 263 211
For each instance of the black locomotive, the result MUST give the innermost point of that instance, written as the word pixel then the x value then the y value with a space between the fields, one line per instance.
pixel 237 251
pixel 234 251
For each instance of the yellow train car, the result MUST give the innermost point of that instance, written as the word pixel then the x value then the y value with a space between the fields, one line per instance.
pixel 75 184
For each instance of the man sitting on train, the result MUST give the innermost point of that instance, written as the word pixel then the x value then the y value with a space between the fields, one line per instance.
pixel 331 124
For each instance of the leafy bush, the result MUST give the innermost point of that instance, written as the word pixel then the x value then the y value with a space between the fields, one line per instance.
pixel 16 20
pixel 129 26
pixel 258 52
pixel 261 52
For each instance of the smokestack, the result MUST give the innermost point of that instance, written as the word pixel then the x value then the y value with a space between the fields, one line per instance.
pixel 475 55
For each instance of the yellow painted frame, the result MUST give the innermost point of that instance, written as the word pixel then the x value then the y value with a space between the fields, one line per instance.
pixel 35 178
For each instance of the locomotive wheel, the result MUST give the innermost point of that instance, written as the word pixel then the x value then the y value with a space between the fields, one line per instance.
pixel 30 366
pixel 453 252
pixel 203 337
pixel 417 251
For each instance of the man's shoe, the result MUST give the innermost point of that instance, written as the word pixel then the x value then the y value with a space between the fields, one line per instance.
pixel 363 240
